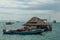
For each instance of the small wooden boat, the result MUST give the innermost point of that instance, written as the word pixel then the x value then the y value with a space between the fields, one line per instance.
pixel 9 23
pixel 21 32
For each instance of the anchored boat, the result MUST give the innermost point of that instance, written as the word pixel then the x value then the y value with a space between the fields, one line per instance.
pixel 33 26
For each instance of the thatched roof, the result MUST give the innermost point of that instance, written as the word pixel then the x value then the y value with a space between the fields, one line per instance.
pixel 35 21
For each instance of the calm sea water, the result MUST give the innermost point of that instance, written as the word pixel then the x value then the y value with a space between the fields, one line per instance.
pixel 53 35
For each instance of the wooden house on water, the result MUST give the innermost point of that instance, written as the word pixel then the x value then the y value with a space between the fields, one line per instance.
pixel 34 26
pixel 37 23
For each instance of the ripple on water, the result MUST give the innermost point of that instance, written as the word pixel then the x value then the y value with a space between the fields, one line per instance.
pixel 53 35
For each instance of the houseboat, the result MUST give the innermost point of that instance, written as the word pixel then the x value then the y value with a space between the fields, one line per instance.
pixel 34 26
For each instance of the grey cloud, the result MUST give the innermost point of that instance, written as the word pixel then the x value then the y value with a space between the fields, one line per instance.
pixel 50 6
pixel 55 7
pixel 24 0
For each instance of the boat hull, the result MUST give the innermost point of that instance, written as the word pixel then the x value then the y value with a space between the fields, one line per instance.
pixel 23 33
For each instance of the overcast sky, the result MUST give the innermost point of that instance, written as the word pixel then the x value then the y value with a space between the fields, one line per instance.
pixel 25 9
